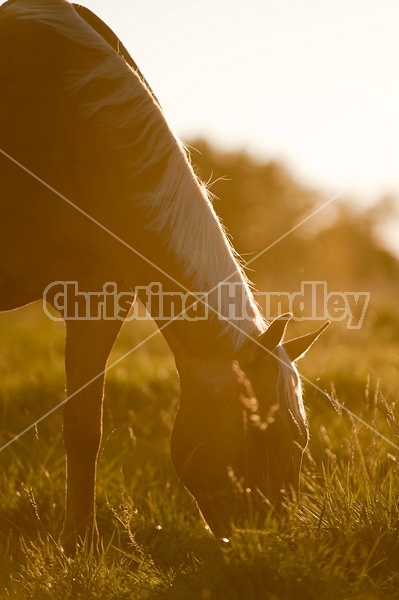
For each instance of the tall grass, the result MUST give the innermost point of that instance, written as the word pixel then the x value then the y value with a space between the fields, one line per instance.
pixel 338 541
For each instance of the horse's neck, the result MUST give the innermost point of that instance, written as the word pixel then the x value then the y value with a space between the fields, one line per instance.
pixel 191 250
pixel 195 323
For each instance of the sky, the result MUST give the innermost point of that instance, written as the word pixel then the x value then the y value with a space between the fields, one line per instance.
pixel 313 83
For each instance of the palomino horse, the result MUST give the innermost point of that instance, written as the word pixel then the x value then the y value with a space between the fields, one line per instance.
pixel 95 188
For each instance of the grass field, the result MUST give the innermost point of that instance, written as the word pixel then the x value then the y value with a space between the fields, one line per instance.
pixel 341 541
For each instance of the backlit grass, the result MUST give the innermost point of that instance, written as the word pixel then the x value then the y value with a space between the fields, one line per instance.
pixel 341 541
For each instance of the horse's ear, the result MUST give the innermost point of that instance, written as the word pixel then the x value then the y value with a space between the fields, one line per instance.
pixel 268 341
pixel 298 347
pixel 271 338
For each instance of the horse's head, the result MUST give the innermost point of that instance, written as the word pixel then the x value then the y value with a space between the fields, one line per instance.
pixel 241 428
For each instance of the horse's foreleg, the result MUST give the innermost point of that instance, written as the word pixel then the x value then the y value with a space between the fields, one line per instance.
pixel 88 344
